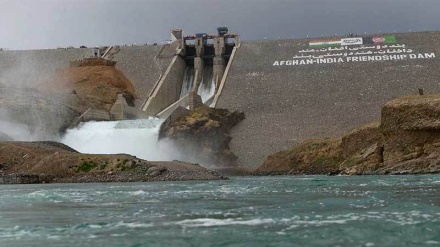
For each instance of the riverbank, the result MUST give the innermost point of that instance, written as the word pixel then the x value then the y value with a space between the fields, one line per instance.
pixel 52 162
pixel 406 141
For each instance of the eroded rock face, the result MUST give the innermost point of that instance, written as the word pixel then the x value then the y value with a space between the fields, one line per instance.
pixel 407 141
pixel 203 135
pixel 411 128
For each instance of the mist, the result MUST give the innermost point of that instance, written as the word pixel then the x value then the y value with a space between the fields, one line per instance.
pixel 27 111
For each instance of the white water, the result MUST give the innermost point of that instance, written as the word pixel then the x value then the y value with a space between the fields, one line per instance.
pixel 135 137
pixel 207 87
pixel 188 81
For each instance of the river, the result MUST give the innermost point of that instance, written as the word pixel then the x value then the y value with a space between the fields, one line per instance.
pixel 243 211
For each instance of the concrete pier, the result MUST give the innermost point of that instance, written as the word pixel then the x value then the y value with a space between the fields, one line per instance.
pixel 199 65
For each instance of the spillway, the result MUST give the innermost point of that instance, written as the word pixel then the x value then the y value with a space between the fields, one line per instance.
pixel 188 81
pixel 135 137
pixel 207 86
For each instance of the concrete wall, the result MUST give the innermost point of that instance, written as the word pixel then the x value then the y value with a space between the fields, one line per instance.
pixel 195 101
pixel 122 111
pixel 96 115
pixel 285 105
pixel 168 90
pixel 138 65
pixel 182 102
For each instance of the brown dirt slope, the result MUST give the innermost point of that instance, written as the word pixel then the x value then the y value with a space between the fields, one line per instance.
pixel 96 83
pixel 407 141
pixel 55 162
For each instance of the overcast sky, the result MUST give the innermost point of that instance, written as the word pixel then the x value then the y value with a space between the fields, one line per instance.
pixel 32 24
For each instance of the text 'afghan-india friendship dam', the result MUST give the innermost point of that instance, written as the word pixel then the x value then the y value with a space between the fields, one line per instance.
pixel 290 90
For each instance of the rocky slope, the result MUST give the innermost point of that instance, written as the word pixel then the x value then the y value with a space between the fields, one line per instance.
pixel 203 135
pixel 407 141
pixel 37 162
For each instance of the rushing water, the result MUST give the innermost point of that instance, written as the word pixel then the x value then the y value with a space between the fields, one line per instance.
pixel 247 211
pixel 135 137
pixel 188 81
pixel 207 86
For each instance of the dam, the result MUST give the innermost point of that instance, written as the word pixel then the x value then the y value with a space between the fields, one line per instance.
pixel 287 104
pixel 290 90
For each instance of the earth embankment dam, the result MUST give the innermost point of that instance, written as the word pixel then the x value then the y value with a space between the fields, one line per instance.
pixel 289 90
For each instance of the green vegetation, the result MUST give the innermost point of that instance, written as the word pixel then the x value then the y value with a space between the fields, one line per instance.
pixel 103 166
pixel 87 166
pixel 327 161
pixel 310 145
pixel 349 163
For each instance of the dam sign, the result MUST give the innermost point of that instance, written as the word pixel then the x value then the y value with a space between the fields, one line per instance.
pixel 348 54
pixel 330 60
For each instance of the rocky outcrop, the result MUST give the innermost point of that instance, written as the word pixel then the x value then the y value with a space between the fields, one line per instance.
pixel 407 141
pixel 96 82
pixel 49 162
pixel 411 129
pixel 203 134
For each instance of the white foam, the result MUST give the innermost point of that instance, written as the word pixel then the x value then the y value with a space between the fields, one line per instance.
pixel 134 225
pixel 137 193
pixel 135 137
pixel 206 222
pixel 207 87
pixel 432 242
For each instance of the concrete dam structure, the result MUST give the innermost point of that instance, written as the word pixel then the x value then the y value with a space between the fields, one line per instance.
pixel 290 90
pixel 199 62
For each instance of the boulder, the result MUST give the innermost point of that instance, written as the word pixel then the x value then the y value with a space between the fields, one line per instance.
pixel 156 171
pixel 203 134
